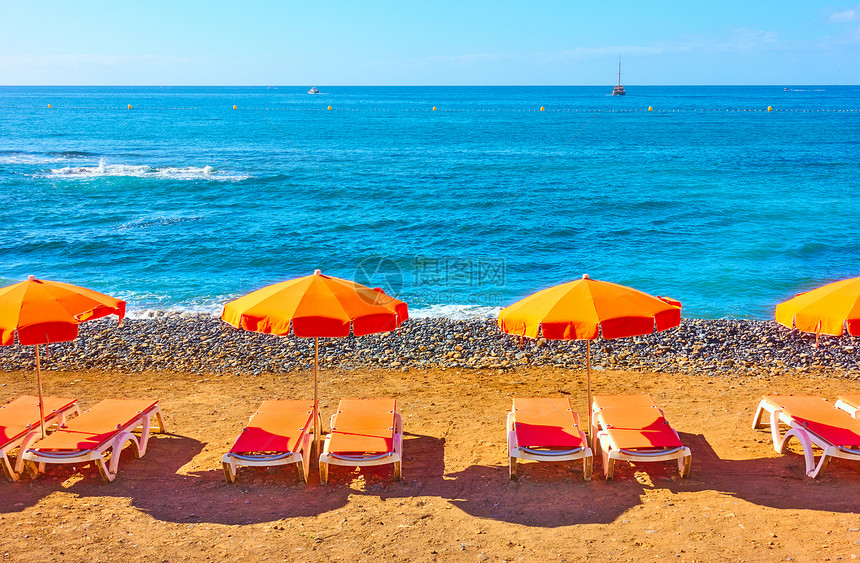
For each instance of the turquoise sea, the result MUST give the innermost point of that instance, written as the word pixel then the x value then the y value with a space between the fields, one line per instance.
pixel 183 202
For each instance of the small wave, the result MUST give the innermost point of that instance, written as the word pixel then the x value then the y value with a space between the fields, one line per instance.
pixel 28 158
pixel 456 312
pixel 73 154
pixel 214 308
pixel 145 222
pixel 144 171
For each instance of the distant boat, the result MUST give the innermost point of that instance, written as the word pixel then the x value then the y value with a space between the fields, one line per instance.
pixel 314 90
pixel 619 90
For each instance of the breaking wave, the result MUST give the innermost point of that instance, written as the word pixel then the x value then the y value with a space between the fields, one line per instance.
pixel 144 171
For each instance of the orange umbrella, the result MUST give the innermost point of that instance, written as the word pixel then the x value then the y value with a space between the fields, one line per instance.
pixel 42 311
pixel 826 310
pixel 316 306
pixel 585 308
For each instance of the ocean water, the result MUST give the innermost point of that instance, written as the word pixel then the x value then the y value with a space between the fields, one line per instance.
pixel 183 203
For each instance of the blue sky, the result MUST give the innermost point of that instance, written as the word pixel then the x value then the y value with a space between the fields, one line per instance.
pixel 786 42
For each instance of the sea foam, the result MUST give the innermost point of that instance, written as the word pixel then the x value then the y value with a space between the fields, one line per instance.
pixel 144 171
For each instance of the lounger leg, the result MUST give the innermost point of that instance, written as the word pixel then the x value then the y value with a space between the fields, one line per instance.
pixel 160 420
pixel 11 475
pixel 230 471
pixel 144 435
pixel 684 465
pixel 608 465
pixel 106 474
pixel 822 463
pixel 512 461
pixel 396 471
pixel 305 464
pixel 812 469
pixel 323 473
pixel 759 412
pixel 587 467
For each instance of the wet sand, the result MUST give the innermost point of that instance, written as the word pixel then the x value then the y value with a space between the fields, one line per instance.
pixel 743 501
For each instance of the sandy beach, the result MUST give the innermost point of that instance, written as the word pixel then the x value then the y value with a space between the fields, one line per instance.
pixel 743 501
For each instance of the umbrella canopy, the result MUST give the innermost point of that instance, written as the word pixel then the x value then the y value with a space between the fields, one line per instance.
pixel 585 308
pixel 826 310
pixel 41 312
pixel 316 306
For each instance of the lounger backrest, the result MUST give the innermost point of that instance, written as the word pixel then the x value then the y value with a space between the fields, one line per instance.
pixel 277 426
pixel 22 415
pixel 546 423
pixel 97 425
pixel 851 399
pixel 363 426
pixel 821 418
pixel 635 422
pixel 624 401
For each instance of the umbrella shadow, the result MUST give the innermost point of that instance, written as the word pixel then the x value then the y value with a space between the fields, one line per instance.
pixel 776 482
pixel 423 468
pixel 547 495
pixel 165 454
pixel 259 495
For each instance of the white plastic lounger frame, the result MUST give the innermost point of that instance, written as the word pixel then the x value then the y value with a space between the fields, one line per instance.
pixel 611 453
pixel 37 460
pixel 232 461
pixel 364 460
pixel 24 441
pixel 515 451
pixel 806 438
pixel 849 406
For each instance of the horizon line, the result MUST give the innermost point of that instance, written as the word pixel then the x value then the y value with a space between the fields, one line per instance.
pixel 781 85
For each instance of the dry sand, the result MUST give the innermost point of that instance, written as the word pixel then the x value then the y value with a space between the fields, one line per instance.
pixel 743 501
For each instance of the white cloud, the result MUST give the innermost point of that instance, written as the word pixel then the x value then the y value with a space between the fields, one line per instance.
pixel 845 16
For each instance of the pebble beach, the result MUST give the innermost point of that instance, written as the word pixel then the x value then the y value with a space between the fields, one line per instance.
pixel 203 344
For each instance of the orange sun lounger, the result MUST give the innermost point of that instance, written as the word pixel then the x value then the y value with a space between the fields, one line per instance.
pixel 364 432
pixel 632 428
pixel 106 427
pixel 850 404
pixel 546 429
pixel 815 423
pixel 19 426
pixel 279 433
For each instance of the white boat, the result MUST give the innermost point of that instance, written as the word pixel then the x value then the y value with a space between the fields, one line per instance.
pixel 619 90
pixel 314 90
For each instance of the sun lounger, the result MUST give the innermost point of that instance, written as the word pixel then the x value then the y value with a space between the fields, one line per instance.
pixel 546 430
pixel 19 426
pixel 632 428
pixel 364 432
pixel 279 433
pixel 815 423
pixel 850 404
pixel 106 427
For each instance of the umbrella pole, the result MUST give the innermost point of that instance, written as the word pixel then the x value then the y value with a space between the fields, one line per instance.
pixel 588 387
pixel 316 397
pixel 41 402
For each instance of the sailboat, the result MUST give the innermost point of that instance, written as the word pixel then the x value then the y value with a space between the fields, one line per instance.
pixel 619 90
